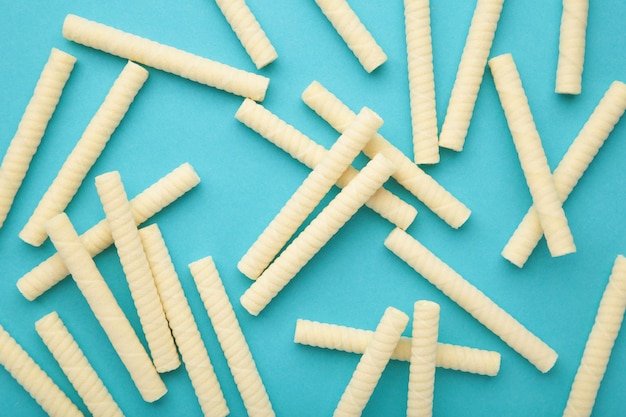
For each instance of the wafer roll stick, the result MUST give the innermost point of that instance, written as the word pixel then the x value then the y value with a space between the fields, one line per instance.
pixel 573 33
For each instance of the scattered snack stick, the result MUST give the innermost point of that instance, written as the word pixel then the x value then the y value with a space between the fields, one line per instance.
pixel 571 168
pixel 472 300
pixel 599 344
pixel 350 339
pixel 136 268
pixel 248 31
pixel 145 205
pixel 32 127
pixel 184 328
pixel 569 70
pixel 76 367
pixel 409 175
pixel 353 32
pixel 86 152
pixel 106 309
pixel 34 379
pixel 310 153
pixel 532 157
pixel 165 58
pixel 470 73
pixel 423 359
pixel 309 194
pixel 231 338
pixel 324 226
pixel 419 48
pixel 372 363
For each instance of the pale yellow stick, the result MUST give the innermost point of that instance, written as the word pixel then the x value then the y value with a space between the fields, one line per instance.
pixel 231 338
pixel 599 344
pixel 569 70
pixel 574 163
pixel 372 363
pixel 305 150
pixel 34 380
pixel 409 175
pixel 145 205
pixel 472 300
pixel 86 152
pixel 532 156
pixel 349 339
pixel 316 234
pixel 421 81
pixel 181 320
pixel 249 32
pixel 470 74
pixel 31 128
pixel 136 268
pixel 76 367
pixel 309 194
pixel 423 359
pixel 165 58
pixel 353 32
pixel 104 306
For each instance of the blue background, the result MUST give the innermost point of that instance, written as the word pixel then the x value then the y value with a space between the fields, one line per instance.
pixel 245 181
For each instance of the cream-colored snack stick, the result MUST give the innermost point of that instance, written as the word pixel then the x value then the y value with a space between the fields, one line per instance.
pixel 104 306
pixel 136 268
pixel 574 163
pixel 409 175
pixel 349 339
pixel 353 32
pixel 34 379
pixel 76 367
pixel 316 234
pixel 31 128
pixel 532 156
pixel 231 338
pixel 423 359
pixel 165 58
pixel 249 32
pixel 184 327
pixel 569 70
pixel 599 344
pixel 305 150
pixel 86 152
pixel 372 363
pixel 145 205
pixel 309 194
pixel 472 300
pixel 419 49
pixel 470 74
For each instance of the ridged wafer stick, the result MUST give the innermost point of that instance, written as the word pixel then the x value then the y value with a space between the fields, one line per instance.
pixel 470 73
pixel 231 338
pixel 472 300
pixel 409 175
pixel 309 194
pixel 184 327
pixel 569 70
pixel 532 156
pixel 165 58
pixel 76 367
pixel 145 205
pixel 86 152
pixel 106 309
pixel 571 168
pixel 34 379
pixel 31 128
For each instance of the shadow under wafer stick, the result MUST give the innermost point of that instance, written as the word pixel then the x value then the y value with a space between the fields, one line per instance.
pixel 145 205
pixel 32 127
pixel 34 379
pixel 86 151
pixel 165 58
pixel 572 39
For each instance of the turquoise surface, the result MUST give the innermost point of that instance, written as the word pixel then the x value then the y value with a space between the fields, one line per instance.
pixel 246 180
